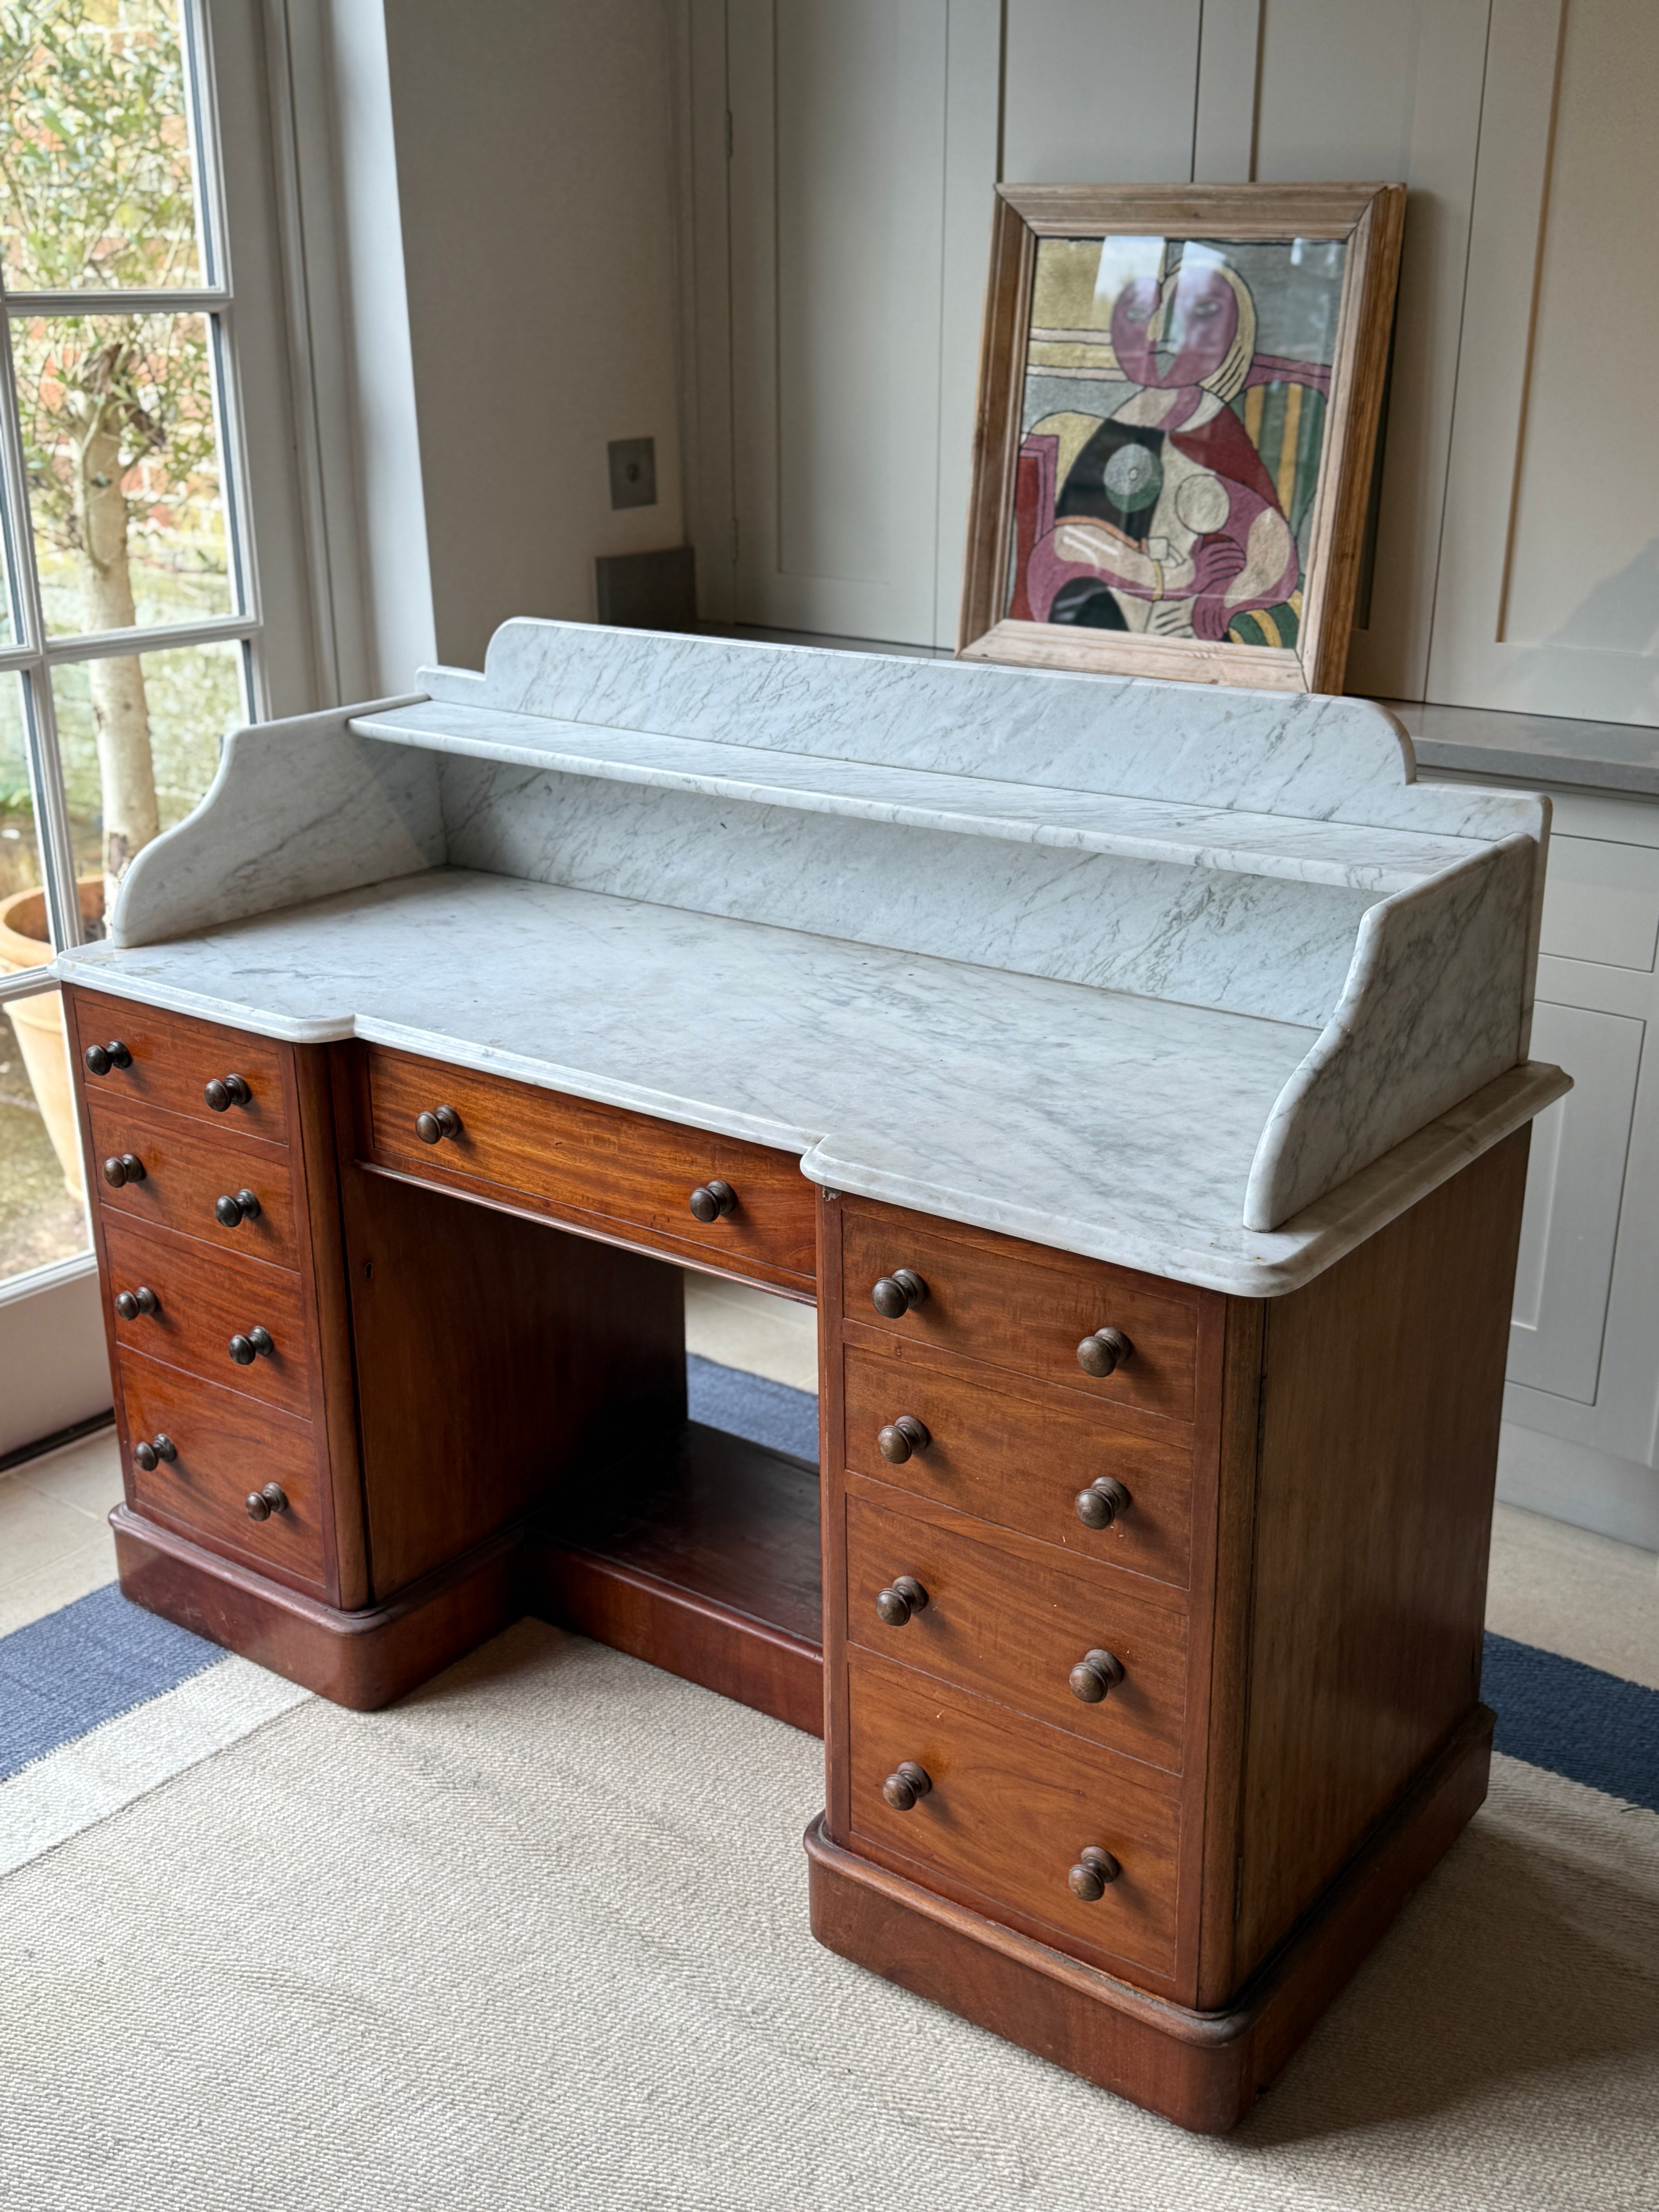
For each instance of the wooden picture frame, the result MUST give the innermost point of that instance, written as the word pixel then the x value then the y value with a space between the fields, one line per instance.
pixel 1196 596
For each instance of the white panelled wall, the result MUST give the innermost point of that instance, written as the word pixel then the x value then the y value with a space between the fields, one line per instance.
pixel 837 159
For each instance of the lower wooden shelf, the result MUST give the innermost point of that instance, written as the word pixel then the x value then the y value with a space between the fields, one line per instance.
pixel 700 1557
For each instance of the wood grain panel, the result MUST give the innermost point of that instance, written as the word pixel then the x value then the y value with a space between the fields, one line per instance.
pixel 186 1170
pixel 228 1445
pixel 173 1059
pixel 1383 1391
pixel 207 1297
pixel 1025 1307
pixel 1010 1630
pixel 1010 1806
pixel 1020 1461
pixel 593 1165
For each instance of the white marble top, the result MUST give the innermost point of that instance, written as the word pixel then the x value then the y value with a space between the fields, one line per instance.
pixel 1356 856
pixel 1117 1126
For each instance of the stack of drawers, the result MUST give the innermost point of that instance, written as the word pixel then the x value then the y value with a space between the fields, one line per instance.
pixel 1013 1712
pixel 194 1137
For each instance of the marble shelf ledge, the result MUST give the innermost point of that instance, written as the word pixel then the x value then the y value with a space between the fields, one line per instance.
pixel 1353 856
pixel 1119 1128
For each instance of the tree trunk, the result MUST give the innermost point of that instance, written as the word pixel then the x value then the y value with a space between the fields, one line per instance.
pixel 120 710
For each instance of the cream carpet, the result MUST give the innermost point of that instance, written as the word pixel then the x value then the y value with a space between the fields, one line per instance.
pixel 536 1938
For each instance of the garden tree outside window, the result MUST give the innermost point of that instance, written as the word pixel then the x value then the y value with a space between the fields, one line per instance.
pixel 128 629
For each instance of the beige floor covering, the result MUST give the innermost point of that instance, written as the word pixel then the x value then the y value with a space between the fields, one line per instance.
pixel 536 1938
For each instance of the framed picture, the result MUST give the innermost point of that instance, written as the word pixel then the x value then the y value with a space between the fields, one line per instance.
pixel 1178 403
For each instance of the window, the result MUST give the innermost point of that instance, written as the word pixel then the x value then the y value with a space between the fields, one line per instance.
pixel 130 631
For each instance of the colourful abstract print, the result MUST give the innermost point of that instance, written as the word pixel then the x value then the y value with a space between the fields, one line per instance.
pixel 1172 424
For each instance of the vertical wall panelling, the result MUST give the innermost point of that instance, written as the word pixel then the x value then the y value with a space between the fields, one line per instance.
pixel 1549 593
pixel 842 117
pixel 704 272
pixel 1229 69
pixel 1099 92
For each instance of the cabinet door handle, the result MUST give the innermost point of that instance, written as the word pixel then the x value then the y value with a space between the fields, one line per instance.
pixel 130 1303
pixel 231 1212
pixel 1104 1352
pixel 1094 1869
pixel 907 1785
pixel 123 1168
pixel 432 1128
pixel 256 1343
pixel 150 1455
pixel 1099 1505
pixel 713 1202
pixel 1094 1675
pixel 903 1595
pixel 98 1059
pixel 225 1091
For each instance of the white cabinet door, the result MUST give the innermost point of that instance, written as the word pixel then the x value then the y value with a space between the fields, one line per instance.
pixel 1574 1186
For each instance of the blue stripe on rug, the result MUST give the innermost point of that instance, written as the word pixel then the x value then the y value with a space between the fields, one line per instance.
pixel 1593 1727
pixel 770 1413
pixel 69 1671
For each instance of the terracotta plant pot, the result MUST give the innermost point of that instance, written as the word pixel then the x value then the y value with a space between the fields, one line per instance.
pixel 25 942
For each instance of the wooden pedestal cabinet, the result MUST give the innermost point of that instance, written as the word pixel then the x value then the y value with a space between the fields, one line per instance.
pixel 1147 1645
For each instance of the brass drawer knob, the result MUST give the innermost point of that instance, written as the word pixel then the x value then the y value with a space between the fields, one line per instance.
pixel 130 1303
pixel 150 1455
pixel 907 1785
pixel 903 1595
pixel 262 1503
pixel 256 1344
pixel 225 1091
pixel 122 1167
pixel 432 1128
pixel 897 1294
pixel 98 1059
pixel 1104 1352
pixel 1094 1869
pixel 1094 1675
pixel 1099 1505
pixel 231 1212
pixel 901 1437
pixel 713 1202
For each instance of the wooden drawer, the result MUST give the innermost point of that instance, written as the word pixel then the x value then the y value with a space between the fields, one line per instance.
pixel 594 1165
pixel 205 1297
pixel 186 1170
pixel 228 1445
pixel 1010 1808
pixel 996 1623
pixel 1021 1460
pixel 1022 1306
pixel 174 1059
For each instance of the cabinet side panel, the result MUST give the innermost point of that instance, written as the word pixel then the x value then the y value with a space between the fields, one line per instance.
pixel 1383 1388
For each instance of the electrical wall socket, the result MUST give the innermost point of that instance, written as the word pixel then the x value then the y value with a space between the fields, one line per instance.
pixel 633 471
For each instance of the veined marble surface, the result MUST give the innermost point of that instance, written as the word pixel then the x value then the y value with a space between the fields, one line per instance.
pixel 1320 758
pixel 1121 1128
pixel 1218 839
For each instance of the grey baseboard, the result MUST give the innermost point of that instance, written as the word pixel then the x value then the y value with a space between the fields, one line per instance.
pixel 1576 1483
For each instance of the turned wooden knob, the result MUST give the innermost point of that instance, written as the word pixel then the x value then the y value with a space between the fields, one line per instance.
pixel 1104 1352
pixel 1094 1869
pixel 262 1503
pixel 1099 1505
pixel 122 1167
pixel 903 1595
pixel 233 1212
pixel 901 1437
pixel 98 1059
pixel 130 1303
pixel 896 1294
pixel 256 1344
pixel 713 1202
pixel 150 1455
pixel 432 1128
pixel 1094 1675
pixel 907 1785
pixel 225 1091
